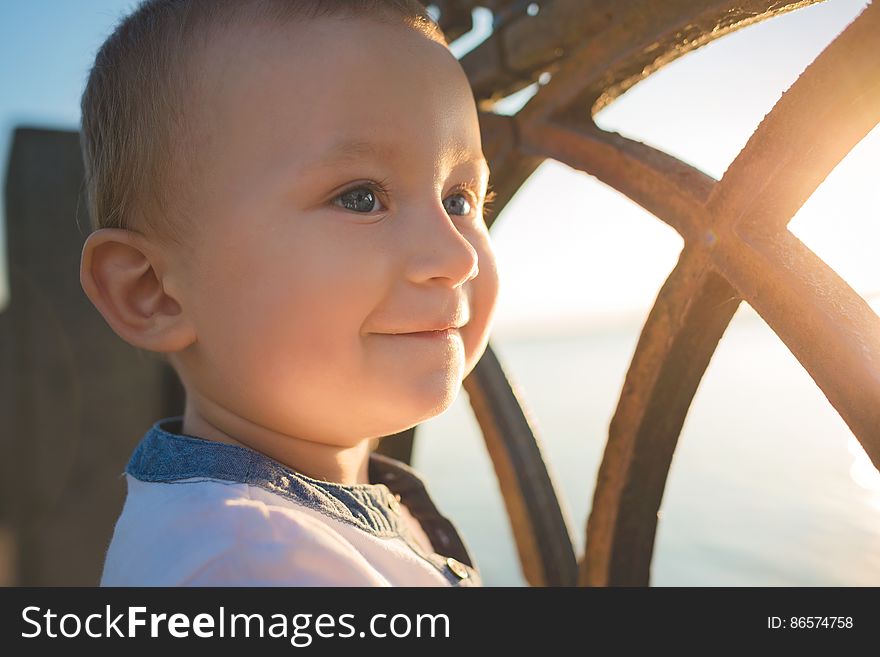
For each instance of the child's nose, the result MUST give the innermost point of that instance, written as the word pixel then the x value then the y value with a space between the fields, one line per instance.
pixel 441 248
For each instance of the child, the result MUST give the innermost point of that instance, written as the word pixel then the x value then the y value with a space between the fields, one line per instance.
pixel 288 200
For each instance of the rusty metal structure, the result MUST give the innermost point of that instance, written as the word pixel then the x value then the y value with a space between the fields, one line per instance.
pixel 736 246
pixel 74 398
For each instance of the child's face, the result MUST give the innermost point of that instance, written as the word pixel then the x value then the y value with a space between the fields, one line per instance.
pixel 295 292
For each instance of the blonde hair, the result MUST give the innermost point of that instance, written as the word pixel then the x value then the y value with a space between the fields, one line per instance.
pixel 135 137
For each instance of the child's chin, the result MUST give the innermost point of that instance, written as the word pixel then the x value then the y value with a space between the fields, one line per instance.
pixel 427 398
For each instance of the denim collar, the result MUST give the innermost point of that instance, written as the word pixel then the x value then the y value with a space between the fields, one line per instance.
pixel 165 454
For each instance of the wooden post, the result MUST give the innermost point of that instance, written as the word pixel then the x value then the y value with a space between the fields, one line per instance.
pixel 74 397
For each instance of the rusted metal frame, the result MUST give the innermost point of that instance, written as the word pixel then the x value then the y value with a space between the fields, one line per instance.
pixel 649 34
pixel 665 186
pixel 641 37
pixel 540 527
pixel 537 516
pixel 626 554
pixel 519 516
pixel 830 107
pixel 634 550
pixel 829 328
pixel 509 166
pixel 691 313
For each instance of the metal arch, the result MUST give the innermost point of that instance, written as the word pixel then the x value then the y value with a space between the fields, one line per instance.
pixel 736 244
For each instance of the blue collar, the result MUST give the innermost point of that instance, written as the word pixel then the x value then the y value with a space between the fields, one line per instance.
pixel 166 455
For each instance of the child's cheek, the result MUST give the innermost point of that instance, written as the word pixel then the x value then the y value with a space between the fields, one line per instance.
pixel 483 296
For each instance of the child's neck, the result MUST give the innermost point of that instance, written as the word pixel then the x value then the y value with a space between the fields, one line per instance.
pixel 342 465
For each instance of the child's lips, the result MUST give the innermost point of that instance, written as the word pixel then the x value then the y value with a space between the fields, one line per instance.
pixel 431 335
pixel 443 329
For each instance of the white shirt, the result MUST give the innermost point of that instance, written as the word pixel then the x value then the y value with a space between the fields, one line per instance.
pixel 205 513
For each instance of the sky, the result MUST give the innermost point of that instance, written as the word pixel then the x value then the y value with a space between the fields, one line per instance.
pixel 572 253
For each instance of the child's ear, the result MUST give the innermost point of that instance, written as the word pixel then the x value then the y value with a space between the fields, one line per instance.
pixel 131 291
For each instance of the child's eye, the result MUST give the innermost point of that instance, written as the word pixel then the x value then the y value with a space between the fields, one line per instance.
pixel 464 205
pixel 361 198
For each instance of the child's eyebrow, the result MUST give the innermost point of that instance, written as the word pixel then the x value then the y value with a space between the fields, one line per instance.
pixel 356 149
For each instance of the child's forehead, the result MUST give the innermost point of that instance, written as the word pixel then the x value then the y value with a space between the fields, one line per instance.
pixel 286 99
pixel 317 39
